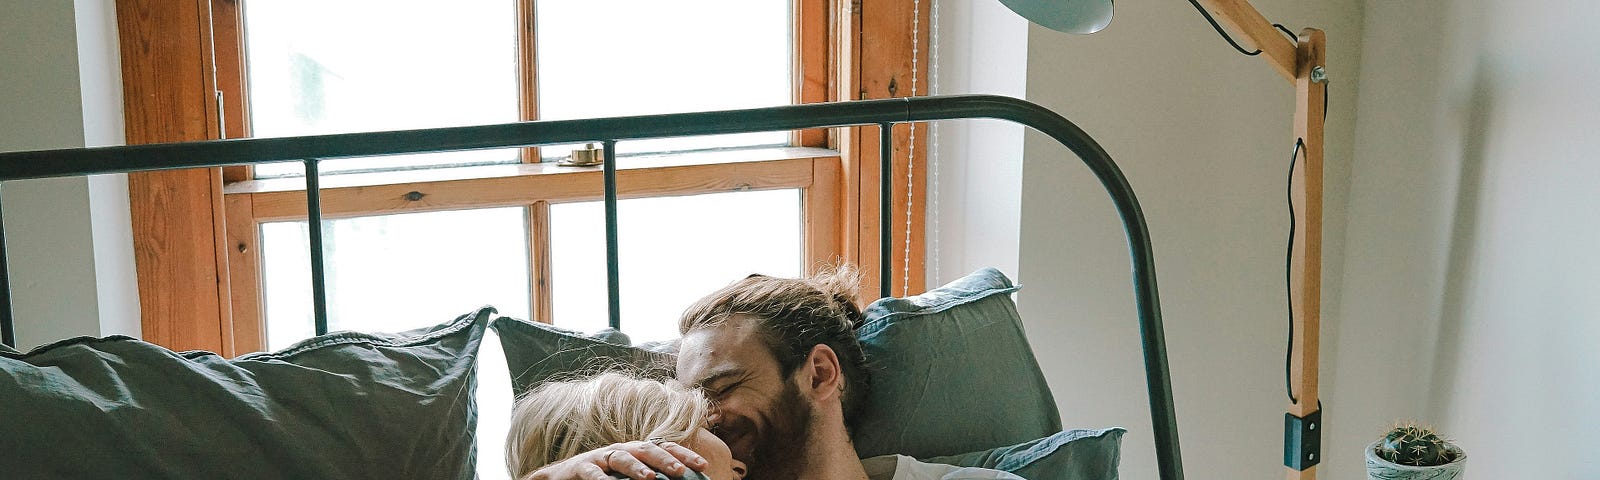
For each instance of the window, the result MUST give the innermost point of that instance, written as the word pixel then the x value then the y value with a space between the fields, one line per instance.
pixel 318 67
pixel 397 262
pixel 200 234
pixel 508 226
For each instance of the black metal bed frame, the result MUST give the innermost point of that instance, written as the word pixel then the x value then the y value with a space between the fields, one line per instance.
pixel 883 113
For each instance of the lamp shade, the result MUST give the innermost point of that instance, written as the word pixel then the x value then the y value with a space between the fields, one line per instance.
pixel 1070 16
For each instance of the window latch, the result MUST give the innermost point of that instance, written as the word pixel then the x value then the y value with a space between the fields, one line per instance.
pixel 588 156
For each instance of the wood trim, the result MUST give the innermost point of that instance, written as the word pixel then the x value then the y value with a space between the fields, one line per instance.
pixel 540 262
pixel 540 296
pixel 518 190
pixel 1239 16
pixel 887 59
pixel 527 71
pixel 811 63
pixel 821 205
pixel 224 284
pixel 845 80
pixel 227 25
pixel 169 96
pixel 244 274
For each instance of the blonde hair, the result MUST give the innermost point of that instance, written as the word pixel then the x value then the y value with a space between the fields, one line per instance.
pixel 559 420
pixel 794 315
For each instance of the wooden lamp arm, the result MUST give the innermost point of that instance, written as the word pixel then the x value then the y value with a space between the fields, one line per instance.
pixel 1301 61
pixel 1239 16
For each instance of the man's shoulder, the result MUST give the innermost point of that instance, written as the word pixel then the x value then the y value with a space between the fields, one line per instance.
pixel 901 467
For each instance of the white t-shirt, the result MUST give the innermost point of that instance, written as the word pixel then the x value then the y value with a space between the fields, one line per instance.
pixel 901 467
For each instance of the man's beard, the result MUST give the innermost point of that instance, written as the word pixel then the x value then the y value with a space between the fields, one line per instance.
pixel 782 450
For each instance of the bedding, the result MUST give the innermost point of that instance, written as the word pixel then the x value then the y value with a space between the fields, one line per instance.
pixel 1071 454
pixel 952 369
pixel 952 372
pixel 537 353
pixel 342 405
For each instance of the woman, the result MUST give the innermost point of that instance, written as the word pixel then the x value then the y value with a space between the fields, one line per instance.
pixel 559 420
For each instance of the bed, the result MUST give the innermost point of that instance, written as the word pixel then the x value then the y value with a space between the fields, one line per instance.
pixel 437 352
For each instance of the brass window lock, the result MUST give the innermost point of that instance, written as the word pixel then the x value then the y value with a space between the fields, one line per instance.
pixel 588 156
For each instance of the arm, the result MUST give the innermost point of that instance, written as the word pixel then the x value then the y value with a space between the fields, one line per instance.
pixel 636 460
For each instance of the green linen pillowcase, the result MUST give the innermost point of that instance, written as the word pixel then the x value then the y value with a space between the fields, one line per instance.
pixel 536 353
pixel 951 372
pixel 342 405
pixel 1072 454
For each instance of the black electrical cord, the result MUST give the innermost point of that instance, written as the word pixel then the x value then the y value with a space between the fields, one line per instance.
pixel 1224 34
pixel 1286 31
pixel 1288 275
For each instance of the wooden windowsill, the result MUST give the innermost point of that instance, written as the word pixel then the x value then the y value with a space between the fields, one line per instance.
pixel 480 172
pixel 487 186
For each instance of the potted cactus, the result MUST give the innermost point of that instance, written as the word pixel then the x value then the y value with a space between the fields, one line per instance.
pixel 1412 452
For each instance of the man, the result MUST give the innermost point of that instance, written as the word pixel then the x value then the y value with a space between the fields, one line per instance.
pixel 780 360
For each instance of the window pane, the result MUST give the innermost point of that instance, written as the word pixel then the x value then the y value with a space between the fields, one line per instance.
pixel 601 58
pixel 396 272
pixel 336 66
pixel 673 250
pixel 494 408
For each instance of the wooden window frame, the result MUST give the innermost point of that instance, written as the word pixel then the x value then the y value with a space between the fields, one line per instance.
pixel 196 232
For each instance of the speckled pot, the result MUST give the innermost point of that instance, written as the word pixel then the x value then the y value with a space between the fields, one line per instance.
pixel 1380 469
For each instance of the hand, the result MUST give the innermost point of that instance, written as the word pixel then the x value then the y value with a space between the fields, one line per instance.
pixel 637 460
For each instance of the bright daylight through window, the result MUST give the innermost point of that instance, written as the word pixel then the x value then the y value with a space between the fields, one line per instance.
pixel 335 66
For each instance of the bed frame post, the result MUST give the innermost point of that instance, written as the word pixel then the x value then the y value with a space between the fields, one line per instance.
pixel 8 333
pixel 319 281
pixel 885 192
pixel 613 273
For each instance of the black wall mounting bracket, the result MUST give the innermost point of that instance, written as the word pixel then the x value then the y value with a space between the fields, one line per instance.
pixel 1302 440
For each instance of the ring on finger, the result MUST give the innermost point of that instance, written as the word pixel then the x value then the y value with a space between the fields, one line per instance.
pixel 607 458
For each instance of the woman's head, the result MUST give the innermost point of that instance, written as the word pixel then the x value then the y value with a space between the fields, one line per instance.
pixel 559 420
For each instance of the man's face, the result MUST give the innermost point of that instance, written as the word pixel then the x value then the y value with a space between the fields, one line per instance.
pixel 759 412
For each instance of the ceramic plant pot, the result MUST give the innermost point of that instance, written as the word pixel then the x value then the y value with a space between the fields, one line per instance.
pixel 1380 469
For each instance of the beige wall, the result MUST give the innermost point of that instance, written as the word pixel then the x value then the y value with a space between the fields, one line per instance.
pixel 975 212
pixel 1473 295
pixel 1204 135
pixel 68 239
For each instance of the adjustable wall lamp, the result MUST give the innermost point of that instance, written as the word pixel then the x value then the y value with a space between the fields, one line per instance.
pixel 1300 58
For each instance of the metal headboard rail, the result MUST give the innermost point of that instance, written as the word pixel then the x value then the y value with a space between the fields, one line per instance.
pixel 883 113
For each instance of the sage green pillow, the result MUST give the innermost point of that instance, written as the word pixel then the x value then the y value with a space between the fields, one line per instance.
pixel 951 372
pixel 1068 455
pixel 537 352
pixel 343 405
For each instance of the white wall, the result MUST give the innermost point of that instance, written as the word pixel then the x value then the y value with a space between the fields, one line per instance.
pixel 71 270
pixel 1204 135
pixel 1473 297
pixel 974 211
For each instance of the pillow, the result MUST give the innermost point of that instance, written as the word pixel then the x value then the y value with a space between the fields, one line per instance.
pixel 1072 454
pixel 342 405
pixel 951 372
pixel 951 369
pixel 536 353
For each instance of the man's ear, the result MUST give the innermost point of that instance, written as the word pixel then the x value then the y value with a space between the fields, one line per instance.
pixel 822 376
